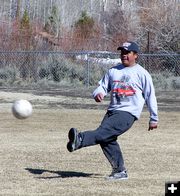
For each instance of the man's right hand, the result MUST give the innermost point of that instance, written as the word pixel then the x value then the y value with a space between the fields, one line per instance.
pixel 99 97
pixel 152 126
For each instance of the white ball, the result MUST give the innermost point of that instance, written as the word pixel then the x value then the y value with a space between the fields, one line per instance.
pixel 22 109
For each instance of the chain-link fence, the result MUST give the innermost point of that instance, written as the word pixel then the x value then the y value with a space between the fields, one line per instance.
pixel 80 68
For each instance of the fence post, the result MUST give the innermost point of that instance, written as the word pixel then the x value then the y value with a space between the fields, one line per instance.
pixel 88 70
pixel 148 50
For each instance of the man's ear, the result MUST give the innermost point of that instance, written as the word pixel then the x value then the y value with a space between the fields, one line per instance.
pixel 136 56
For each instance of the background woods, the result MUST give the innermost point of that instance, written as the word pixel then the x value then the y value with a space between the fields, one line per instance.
pixel 88 24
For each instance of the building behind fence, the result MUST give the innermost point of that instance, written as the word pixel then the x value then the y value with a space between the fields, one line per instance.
pixel 80 68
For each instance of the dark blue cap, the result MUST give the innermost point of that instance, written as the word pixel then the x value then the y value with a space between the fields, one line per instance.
pixel 130 46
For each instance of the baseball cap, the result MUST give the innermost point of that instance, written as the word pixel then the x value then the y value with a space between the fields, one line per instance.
pixel 130 46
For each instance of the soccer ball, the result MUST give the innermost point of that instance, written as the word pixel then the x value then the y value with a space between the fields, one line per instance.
pixel 22 109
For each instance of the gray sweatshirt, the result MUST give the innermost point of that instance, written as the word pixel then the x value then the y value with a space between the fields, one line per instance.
pixel 130 88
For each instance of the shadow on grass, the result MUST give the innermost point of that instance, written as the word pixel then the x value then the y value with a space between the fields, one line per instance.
pixel 59 174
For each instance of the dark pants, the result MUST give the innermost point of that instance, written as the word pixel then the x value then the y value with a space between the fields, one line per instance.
pixel 114 124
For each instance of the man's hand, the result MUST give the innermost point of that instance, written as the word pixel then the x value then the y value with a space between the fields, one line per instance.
pixel 152 126
pixel 99 97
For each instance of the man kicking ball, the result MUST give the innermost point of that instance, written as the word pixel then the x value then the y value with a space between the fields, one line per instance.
pixel 130 86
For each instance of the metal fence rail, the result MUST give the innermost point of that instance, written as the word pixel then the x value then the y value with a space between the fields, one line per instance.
pixel 84 68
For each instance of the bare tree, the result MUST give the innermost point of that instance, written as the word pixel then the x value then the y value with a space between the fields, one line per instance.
pixel 119 19
pixel 160 20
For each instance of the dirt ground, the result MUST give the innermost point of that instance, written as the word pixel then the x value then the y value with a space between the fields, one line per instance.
pixel 34 159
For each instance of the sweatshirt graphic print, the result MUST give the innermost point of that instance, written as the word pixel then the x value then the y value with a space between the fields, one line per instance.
pixel 121 89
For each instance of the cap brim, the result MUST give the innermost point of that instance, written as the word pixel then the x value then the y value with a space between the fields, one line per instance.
pixel 120 48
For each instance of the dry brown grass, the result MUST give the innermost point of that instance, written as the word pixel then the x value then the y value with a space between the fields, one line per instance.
pixel 34 159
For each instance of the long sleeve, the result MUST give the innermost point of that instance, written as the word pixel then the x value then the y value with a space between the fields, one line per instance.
pixel 150 98
pixel 104 86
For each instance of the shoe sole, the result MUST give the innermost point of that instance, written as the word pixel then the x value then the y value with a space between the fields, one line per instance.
pixel 72 139
pixel 112 179
pixel 69 147
pixel 72 135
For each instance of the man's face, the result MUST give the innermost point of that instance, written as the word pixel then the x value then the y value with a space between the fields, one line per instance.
pixel 128 58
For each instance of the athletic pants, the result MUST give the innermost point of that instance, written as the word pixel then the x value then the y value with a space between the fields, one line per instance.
pixel 113 124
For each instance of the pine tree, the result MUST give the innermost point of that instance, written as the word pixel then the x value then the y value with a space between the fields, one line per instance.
pixel 52 24
pixel 25 21
pixel 85 25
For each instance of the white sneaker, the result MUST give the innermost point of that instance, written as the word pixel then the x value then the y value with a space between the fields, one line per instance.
pixel 118 176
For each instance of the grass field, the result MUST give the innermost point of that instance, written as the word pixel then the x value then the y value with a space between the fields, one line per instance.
pixel 34 159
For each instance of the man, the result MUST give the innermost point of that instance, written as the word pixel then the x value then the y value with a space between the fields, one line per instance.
pixel 130 86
